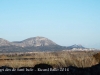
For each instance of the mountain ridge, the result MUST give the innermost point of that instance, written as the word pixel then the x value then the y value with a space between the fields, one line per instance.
pixel 32 44
pixel 34 41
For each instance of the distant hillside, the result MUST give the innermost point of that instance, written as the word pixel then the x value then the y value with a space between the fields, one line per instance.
pixel 35 41
pixel 4 42
pixel 75 46
pixel 29 45
pixel 33 44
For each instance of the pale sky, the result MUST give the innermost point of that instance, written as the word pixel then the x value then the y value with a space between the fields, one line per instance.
pixel 66 22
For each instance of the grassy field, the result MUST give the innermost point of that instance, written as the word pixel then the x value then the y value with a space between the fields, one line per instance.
pixel 56 59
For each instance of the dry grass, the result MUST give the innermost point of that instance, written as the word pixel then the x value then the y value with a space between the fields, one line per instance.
pixel 56 59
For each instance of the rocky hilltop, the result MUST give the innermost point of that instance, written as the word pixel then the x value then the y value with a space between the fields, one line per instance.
pixel 4 42
pixel 29 45
pixel 35 41
pixel 33 44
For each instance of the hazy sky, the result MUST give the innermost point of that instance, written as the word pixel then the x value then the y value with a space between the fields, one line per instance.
pixel 65 22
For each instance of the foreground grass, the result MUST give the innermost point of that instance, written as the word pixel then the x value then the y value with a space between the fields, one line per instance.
pixel 56 59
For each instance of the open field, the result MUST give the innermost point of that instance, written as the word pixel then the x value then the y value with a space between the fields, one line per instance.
pixel 56 59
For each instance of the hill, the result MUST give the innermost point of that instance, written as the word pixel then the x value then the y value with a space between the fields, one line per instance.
pixel 33 44
pixel 29 45
pixel 75 46
pixel 4 42
pixel 35 41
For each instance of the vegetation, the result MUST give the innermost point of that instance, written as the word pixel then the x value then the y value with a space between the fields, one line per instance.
pixel 56 59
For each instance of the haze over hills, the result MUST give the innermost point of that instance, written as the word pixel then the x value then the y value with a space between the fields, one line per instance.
pixel 33 44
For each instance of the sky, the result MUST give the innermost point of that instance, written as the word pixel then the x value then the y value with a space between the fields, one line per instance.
pixel 65 22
